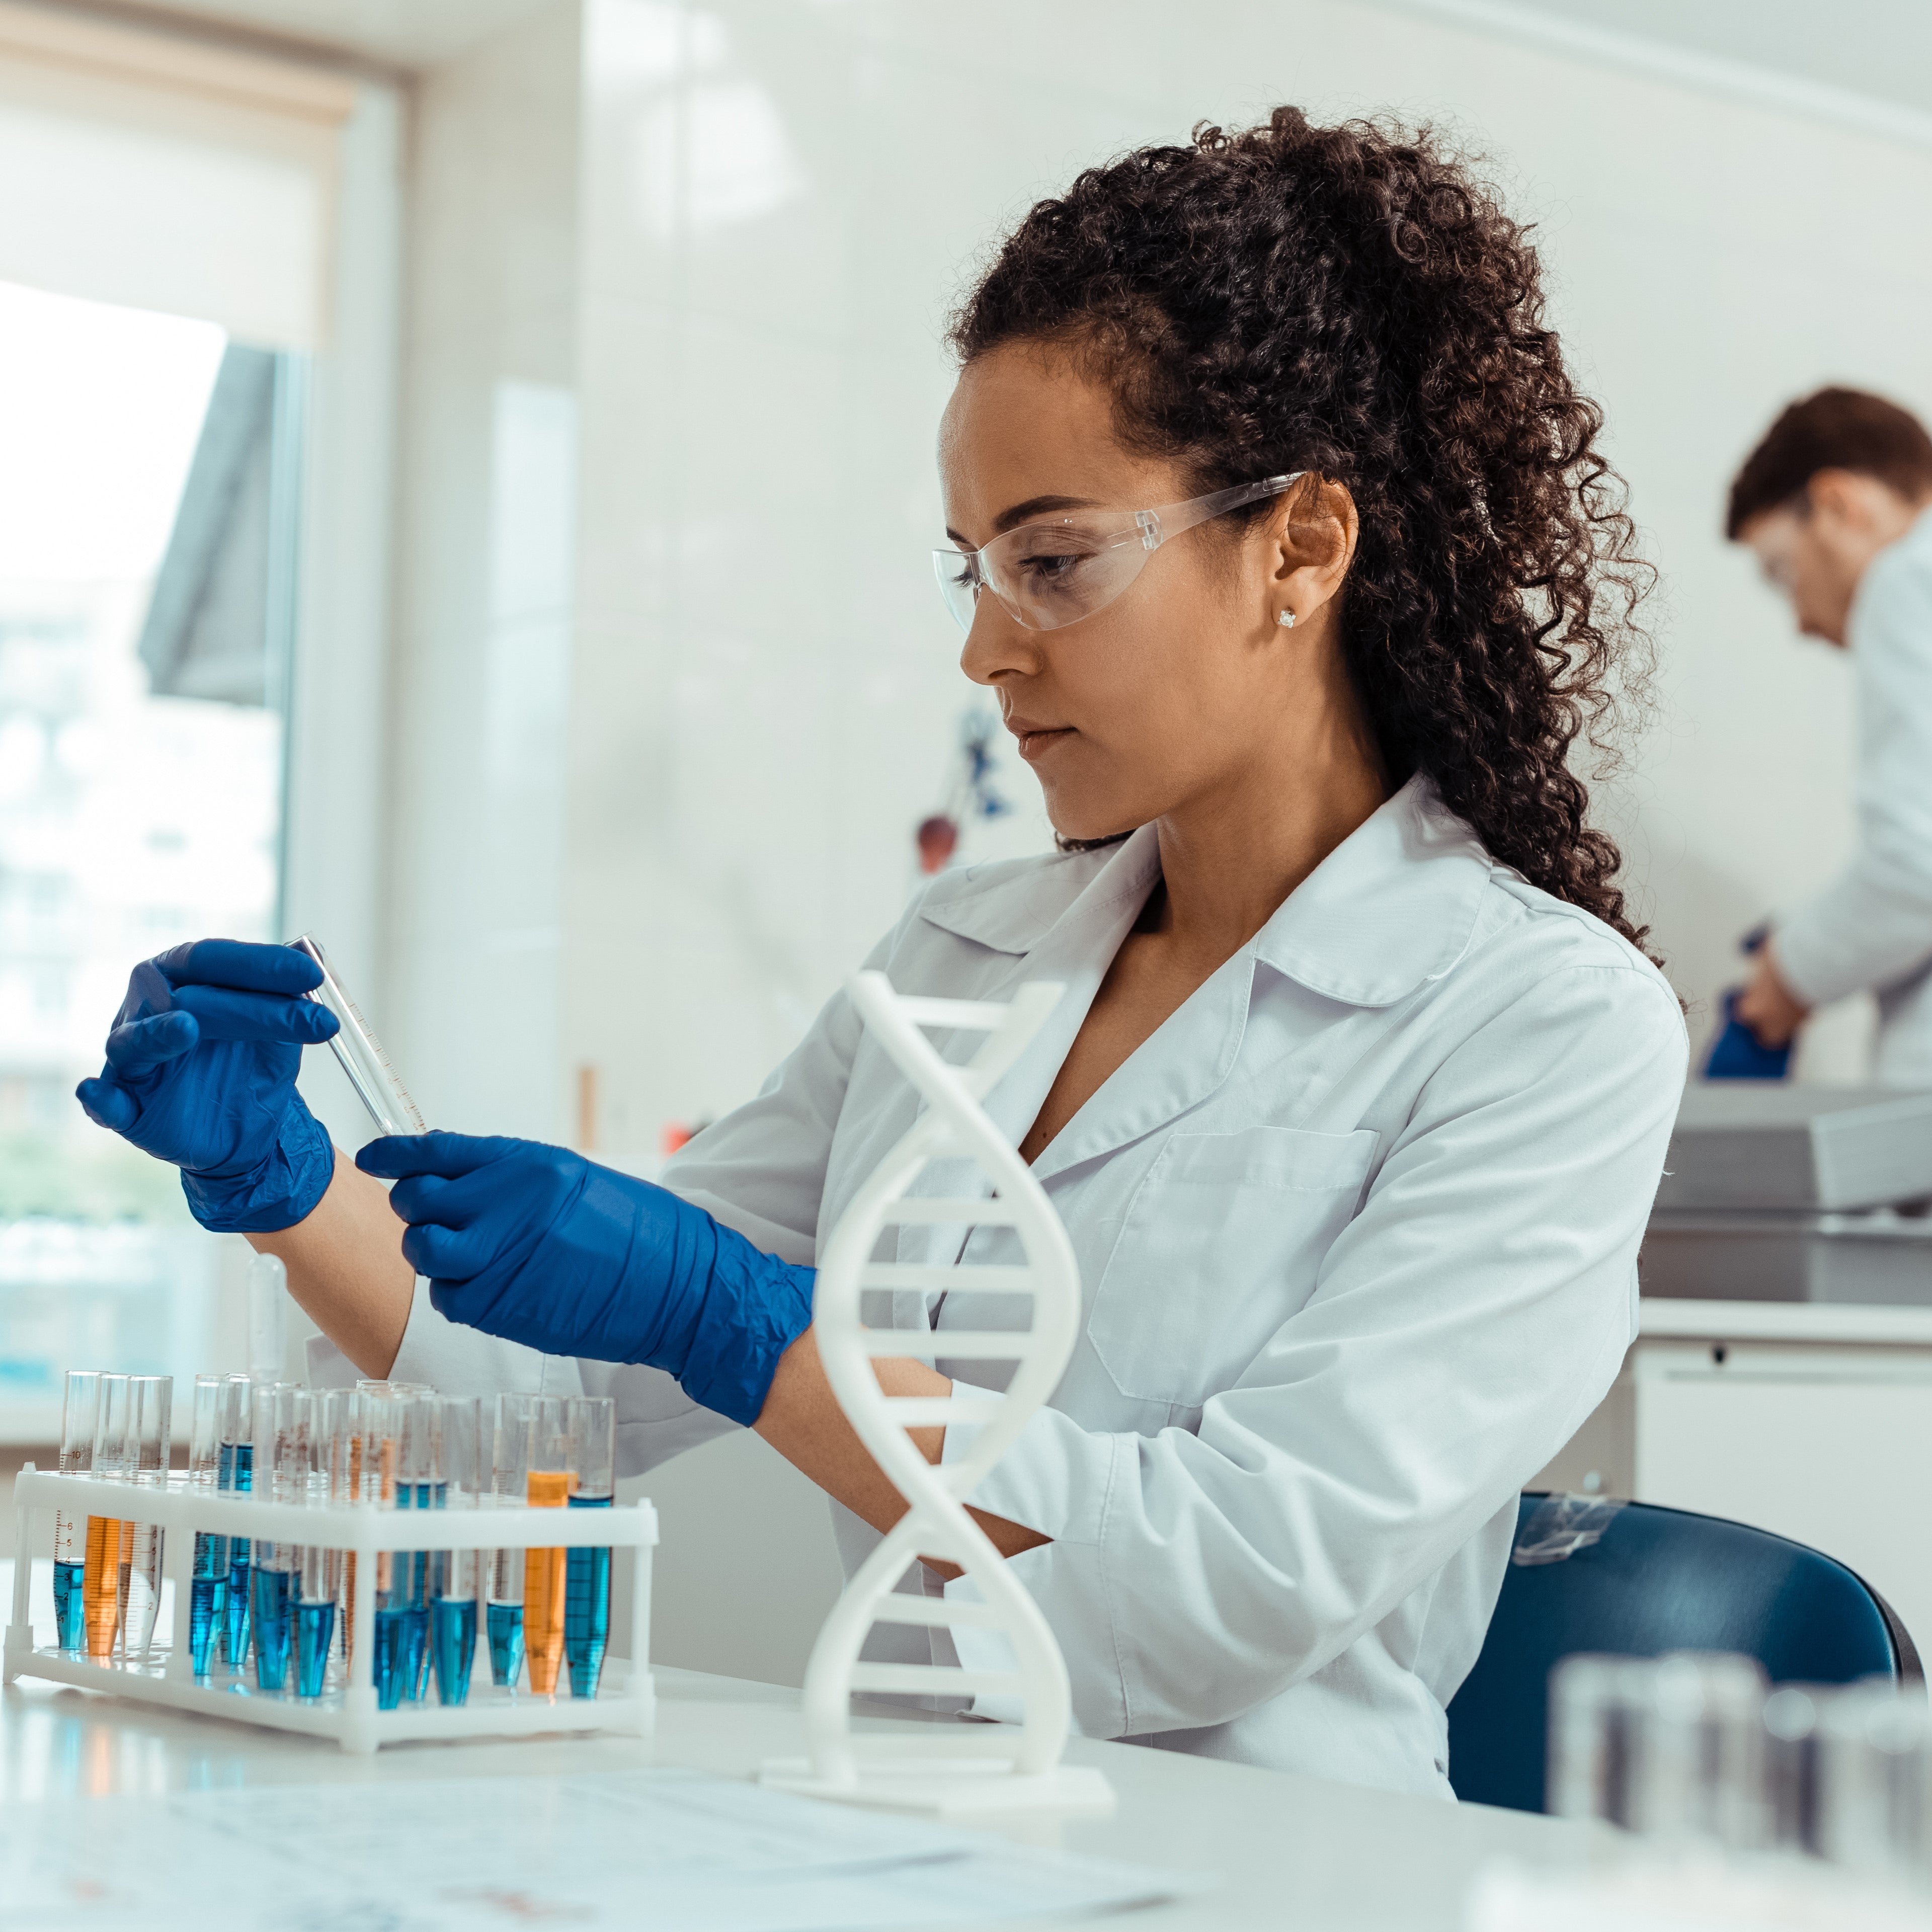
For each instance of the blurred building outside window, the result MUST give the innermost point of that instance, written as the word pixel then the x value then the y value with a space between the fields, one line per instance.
pixel 148 481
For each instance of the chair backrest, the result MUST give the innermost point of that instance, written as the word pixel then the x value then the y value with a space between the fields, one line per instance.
pixel 1658 1580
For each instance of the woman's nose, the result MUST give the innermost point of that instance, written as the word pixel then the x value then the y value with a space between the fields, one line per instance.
pixel 996 647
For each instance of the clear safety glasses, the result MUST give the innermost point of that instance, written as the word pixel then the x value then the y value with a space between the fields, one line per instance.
pixel 1051 575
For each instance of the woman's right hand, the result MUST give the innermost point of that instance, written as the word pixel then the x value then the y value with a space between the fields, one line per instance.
pixel 202 1061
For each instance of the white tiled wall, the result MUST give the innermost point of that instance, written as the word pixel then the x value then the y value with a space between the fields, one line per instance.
pixel 780 200
pixel 488 465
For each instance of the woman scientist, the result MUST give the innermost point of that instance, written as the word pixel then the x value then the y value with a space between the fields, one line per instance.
pixel 1360 1092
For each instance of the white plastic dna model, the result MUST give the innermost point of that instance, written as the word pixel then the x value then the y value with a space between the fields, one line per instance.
pixel 975 1768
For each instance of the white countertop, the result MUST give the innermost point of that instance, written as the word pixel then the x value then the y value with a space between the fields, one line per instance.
pixel 1863 1323
pixel 1281 1850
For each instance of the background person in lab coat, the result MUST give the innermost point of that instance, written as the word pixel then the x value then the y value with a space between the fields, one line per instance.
pixel 1281 532
pixel 1833 502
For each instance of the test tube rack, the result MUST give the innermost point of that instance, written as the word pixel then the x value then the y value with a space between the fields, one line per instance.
pixel 347 1711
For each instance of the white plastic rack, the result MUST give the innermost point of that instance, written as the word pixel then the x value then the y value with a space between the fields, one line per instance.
pixel 346 1711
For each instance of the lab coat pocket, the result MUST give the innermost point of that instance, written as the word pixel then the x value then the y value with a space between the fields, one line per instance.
pixel 1221 1244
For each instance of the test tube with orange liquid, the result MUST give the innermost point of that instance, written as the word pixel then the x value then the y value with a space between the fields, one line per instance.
pixel 547 1485
pixel 100 1578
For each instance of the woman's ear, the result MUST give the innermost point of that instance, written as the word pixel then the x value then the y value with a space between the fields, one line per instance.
pixel 1311 539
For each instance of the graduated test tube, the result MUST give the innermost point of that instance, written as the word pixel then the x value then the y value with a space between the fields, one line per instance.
pixel 80 1414
pixel 504 1585
pixel 150 1406
pixel 360 1054
pixel 420 1485
pixel 277 1463
pixel 318 1414
pixel 591 1421
pixel 453 1573
pixel 209 1586
pixel 546 1486
pixel 100 1575
pixel 236 1477
pixel 383 1412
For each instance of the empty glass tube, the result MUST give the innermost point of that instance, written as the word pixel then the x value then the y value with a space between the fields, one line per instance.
pixel 100 1576
pixel 547 1485
pixel 150 1405
pixel 209 1584
pixel 360 1054
pixel 236 1478
pixel 593 1425
pixel 504 1584
pixel 454 1573
pixel 80 1412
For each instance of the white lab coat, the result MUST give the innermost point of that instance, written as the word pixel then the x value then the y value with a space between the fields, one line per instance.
pixel 1871 928
pixel 1358 1229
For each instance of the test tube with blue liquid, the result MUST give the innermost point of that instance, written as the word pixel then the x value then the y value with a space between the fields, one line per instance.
pixel 80 1412
pixel 420 1485
pixel 320 1474
pixel 454 1574
pixel 591 1421
pixel 209 1581
pixel 235 1476
pixel 384 1411
pixel 503 1608
pixel 277 1464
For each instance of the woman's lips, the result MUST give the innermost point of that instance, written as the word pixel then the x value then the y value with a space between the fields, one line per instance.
pixel 1036 740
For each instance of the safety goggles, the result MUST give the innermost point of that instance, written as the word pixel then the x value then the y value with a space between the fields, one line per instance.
pixel 1048 575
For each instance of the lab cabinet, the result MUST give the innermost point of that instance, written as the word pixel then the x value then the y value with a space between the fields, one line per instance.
pixel 1827 1441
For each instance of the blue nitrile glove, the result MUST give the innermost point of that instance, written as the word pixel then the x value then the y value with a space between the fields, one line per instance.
pixel 1738 1054
pixel 202 1061
pixel 539 1245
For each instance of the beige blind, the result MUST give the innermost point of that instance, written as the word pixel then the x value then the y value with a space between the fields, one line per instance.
pixel 139 169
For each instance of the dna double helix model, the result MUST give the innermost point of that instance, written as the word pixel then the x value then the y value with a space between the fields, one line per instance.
pixel 1011 1764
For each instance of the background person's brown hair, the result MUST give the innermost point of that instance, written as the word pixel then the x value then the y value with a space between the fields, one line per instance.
pixel 1835 429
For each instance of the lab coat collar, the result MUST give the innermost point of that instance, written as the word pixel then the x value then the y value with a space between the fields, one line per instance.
pixel 1012 908
pixel 1392 908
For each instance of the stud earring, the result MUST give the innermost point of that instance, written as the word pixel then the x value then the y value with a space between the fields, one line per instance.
pixel 1286 620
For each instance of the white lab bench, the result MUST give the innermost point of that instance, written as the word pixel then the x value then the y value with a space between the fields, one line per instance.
pixel 1279 1850
pixel 1811 1419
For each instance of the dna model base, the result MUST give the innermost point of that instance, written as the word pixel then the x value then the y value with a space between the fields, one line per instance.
pixel 960 1789
pixel 978 1770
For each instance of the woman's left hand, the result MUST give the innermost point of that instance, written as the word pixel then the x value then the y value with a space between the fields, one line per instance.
pixel 538 1245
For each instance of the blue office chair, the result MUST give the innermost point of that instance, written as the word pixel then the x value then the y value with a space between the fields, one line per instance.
pixel 1659 1579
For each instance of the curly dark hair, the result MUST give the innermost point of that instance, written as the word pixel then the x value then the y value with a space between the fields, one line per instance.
pixel 1352 301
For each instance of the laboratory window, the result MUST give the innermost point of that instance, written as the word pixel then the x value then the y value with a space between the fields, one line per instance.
pixel 144 582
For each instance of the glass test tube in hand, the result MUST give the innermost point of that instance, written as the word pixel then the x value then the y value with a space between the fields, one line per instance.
pixel 278 1460
pixel 547 1485
pixel 80 1414
pixel 504 1584
pixel 100 1576
pixel 360 1054
pixel 592 1424
pixel 454 1578
pixel 209 1584
pixel 150 1407
pixel 236 1477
